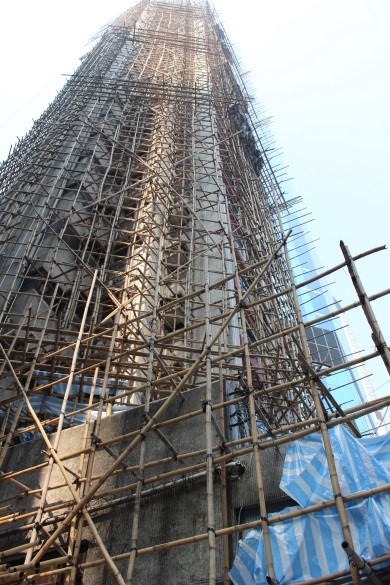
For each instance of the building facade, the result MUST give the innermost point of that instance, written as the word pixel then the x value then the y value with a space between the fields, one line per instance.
pixel 146 291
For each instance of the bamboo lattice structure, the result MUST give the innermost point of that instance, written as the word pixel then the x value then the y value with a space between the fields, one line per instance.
pixel 142 257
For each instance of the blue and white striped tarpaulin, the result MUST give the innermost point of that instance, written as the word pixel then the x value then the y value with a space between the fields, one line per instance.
pixel 52 405
pixel 310 546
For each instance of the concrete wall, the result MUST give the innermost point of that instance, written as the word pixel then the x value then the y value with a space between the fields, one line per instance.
pixel 177 512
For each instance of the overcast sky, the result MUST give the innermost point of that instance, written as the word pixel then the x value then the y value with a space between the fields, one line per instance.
pixel 320 68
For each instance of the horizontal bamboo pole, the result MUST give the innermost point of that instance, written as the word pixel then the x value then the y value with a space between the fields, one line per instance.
pixel 379 403
pixel 4 567
pixel 355 412
pixel 17 549
pixel 231 529
pixel 43 564
pixel 294 329
pixel 218 460
pixel 15 577
pixel 49 573
pixel 215 285
pixel 226 356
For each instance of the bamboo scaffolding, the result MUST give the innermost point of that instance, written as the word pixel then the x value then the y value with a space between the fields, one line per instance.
pixel 366 306
pixel 143 254
pixel 148 426
pixel 338 498
pixel 218 460
pixel 60 423
pixel 357 411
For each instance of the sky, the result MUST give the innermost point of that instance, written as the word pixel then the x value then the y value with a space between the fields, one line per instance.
pixel 318 67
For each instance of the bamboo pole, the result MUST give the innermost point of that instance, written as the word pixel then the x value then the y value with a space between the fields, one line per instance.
pixel 142 455
pixel 355 412
pixel 17 549
pixel 219 283
pixel 15 577
pixel 224 492
pixel 76 529
pixel 229 530
pixel 57 437
pixel 236 528
pixel 5 447
pixel 119 360
pixel 360 563
pixel 218 460
pixel 230 354
pixel 377 335
pixel 333 576
pixel 209 436
pixel 4 509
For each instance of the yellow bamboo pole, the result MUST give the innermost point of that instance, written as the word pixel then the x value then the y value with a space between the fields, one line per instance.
pixel 209 436
pixel 377 334
pixel 76 529
pixel 148 396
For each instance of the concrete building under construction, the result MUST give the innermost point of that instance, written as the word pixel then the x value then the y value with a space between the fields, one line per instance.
pixel 156 372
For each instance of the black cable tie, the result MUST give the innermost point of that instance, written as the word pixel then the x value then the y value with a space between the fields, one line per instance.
pixel 209 529
pixel 381 347
pixel 205 403
pixel 264 519
pixel 362 297
pixel 337 496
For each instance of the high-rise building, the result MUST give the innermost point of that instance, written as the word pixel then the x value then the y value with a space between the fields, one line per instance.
pixel 331 341
pixel 146 290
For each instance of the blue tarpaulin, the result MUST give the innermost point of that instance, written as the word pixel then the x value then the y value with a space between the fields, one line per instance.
pixel 310 546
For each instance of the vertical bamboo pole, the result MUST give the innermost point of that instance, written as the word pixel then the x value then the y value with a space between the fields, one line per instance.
pixel 224 486
pixel 209 436
pixel 76 527
pixel 88 476
pixel 148 394
pixel 77 502
pixel 138 439
pixel 339 502
pixel 252 416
